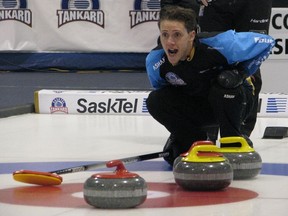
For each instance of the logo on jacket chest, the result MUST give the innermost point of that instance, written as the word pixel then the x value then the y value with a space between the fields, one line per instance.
pixel 174 79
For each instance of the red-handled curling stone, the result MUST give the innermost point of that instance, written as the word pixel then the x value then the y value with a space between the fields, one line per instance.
pixel 116 190
pixel 245 161
pixel 204 168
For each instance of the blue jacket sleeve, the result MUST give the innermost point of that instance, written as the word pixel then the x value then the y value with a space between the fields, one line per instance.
pixel 249 49
pixel 153 62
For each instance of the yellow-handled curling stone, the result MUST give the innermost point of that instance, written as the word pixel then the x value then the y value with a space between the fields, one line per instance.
pixel 203 168
pixel 246 162
pixel 185 154
pixel 116 190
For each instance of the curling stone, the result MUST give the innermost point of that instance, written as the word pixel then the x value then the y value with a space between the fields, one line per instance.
pixel 245 161
pixel 185 154
pixel 116 190
pixel 204 168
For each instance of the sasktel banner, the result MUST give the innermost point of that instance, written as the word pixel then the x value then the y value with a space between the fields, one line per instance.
pixel 127 103
pixel 91 102
pixel 96 26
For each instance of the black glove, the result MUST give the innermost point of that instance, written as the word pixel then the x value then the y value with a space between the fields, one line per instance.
pixel 230 78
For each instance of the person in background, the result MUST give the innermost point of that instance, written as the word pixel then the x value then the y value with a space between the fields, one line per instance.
pixel 182 3
pixel 241 16
pixel 201 81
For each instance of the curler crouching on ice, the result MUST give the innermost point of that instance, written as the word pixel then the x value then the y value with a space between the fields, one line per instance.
pixel 201 81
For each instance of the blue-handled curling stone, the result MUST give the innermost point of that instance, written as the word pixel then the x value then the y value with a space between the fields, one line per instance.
pixel 245 161
pixel 203 168
pixel 117 190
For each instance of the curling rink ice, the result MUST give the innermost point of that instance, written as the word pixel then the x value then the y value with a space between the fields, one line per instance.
pixel 44 142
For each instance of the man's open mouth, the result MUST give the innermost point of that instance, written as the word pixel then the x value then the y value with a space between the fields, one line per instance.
pixel 172 51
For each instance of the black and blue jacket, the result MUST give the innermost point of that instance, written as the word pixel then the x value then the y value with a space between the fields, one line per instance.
pixel 244 51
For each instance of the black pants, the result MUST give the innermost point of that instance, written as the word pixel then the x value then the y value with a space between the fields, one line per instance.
pixel 242 16
pixel 189 118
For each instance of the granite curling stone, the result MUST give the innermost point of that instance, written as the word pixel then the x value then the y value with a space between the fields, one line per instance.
pixel 185 154
pixel 116 190
pixel 245 161
pixel 203 169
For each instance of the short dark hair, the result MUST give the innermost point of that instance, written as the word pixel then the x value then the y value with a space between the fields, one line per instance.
pixel 177 13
